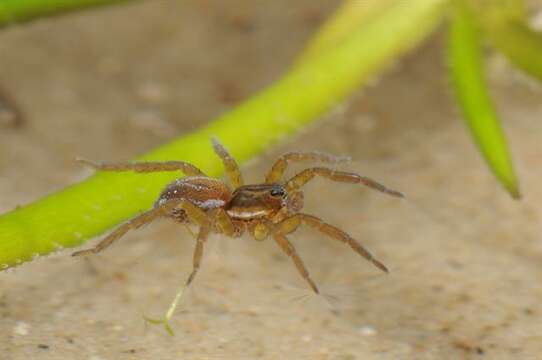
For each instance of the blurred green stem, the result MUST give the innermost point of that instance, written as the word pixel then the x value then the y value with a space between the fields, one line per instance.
pixel 82 211
pixel 348 17
pixel 14 11
pixel 520 44
pixel 467 71
pixel 505 24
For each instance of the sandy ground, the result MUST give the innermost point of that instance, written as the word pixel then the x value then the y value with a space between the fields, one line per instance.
pixel 109 84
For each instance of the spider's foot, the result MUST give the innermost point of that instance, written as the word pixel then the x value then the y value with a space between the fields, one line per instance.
pixel 164 321
pixel 84 252
pixel 379 265
pixel 395 193
pixel 87 162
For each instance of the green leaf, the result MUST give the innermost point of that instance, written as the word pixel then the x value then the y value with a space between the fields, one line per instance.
pixel 14 11
pixel 520 44
pixel 504 24
pixel 467 71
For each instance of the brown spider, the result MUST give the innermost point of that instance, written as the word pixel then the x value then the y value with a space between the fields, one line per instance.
pixel 268 209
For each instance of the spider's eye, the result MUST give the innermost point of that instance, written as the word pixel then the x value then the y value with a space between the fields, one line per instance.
pixel 278 192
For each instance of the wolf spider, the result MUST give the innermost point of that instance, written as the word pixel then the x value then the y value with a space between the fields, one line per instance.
pixel 268 209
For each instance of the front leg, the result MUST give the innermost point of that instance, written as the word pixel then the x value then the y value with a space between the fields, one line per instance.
pixel 261 229
pixel 279 167
pixel 291 224
pixel 290 250
pixel 297 181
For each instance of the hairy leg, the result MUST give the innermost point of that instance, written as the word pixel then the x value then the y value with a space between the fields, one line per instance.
pixel 291 224
pixel 198 253
pixel 203 234
pixel 230 165
pixel 145 166
pixel 308 174
pixel 195 214
pixel 279 167
pixel 290 250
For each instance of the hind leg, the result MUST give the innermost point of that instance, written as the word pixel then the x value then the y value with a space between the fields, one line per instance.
pixel 230 165
pixel 145 166
pixel 194 214
pixel 198 253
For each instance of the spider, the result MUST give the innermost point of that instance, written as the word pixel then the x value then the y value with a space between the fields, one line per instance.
pixel 270 209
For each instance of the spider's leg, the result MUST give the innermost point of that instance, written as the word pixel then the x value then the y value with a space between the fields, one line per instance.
pixel 10 112
pixel 145 166
pixel 134 223
pixel 306 175
pixel 290 225
pixel 198 253
pixel 194 213
pixel 204 221
pixel 290 250
pixel 230 165
pixel 279 167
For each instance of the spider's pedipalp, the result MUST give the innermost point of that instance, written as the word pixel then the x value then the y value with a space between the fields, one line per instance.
pixel 224 223
pixel 230 165
pixel 279 167
pixel 145 166
pixel 306 175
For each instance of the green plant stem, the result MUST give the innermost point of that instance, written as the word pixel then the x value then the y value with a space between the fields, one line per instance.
pixel 520 44
pixel 504 23
pixel 82 211
pixel 347 18
pixel 15 11
pixel 467 71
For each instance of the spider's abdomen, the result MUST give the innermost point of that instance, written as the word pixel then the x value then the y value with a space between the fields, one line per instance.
pixel 204 192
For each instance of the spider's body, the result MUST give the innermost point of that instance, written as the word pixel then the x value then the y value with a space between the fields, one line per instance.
pixel 204 192
pixel 256 202
pixel 248 203
pixel 270 209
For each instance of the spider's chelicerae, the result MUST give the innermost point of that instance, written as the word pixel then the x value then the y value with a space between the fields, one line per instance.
pixel 270 209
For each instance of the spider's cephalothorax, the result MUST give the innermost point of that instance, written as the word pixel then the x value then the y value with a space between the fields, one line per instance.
pixel 262 201
pixel 270 209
